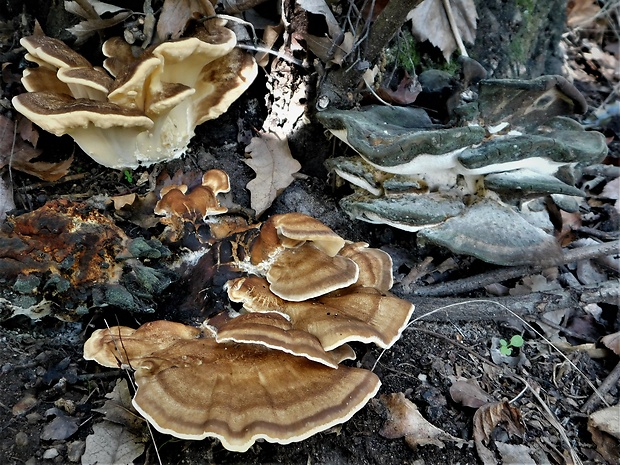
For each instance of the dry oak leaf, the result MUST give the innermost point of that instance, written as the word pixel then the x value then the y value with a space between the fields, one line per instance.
pixel 112 443
pixel 20 153
pixel 430 22
pixel 487 418
pixel 271 159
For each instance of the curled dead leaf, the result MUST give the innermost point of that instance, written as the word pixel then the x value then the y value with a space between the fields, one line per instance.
pixel 487 418
pixel 405 420
pixel 271 159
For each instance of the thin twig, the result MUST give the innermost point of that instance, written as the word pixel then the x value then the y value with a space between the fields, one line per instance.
pixel 453 26
pixel 553 420
pixel 611 380
pixel 484 279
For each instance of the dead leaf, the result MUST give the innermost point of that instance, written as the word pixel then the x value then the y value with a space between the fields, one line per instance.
pixel 326 49
pixel 582 13
pixel 111 443
pixel 430 22
pixel 19 154
pixel 469 394
pixel 274 165
pixel 60 428
pixel 118 408
pixel 319 7
pixel 174 16
pixel 404 420
pixel 405 94
pixel 515 454
pixel 93 18
pixel 487 418
pixel 611 190
pixel 604 426
pixel 612 342
pixel 137 209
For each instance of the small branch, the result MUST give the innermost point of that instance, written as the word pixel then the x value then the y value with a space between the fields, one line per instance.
pixel 455 30
pixel 594 399
pixel 387 25
pixel 472 283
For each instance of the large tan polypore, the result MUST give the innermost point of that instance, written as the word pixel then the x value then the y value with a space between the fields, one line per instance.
pixel 148 112
pixel 195 388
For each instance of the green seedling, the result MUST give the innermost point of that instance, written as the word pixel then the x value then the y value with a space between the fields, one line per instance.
pixel 128 176
pixel 505 348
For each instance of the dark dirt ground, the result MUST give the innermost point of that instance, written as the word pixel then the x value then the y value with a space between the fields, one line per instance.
pixel 43 376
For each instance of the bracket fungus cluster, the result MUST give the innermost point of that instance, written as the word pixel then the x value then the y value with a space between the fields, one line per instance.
pixel 274 371
pixel 466 187
pixel 144 108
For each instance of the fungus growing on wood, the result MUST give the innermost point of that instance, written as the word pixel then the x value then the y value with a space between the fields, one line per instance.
pixel 194 387
pixel 148 113
pixel 515 145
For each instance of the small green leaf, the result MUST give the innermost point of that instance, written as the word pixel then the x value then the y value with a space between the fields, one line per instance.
pixel 516 341
pixel 504 350
pixel 128 176
pixel 503 343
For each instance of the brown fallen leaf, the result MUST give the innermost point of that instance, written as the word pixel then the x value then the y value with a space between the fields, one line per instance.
pixel 175 14
pixel 487 418
pixel 137 209
pixel 20 154
pixel 404 420
pixel 405 94
pixel 612 342
pixel 274 165
pixel 430 22
pixel 97 16
pixel 604 426
pixel 469 394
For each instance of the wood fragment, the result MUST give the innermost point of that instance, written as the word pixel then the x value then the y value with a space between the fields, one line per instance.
pixel 472 283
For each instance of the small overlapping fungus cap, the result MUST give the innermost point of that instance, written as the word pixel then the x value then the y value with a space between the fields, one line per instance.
pixel 357 313
pixel 121 345
pixel 275 331
pixel 148 113
pixel 199 203
pixel 299 256
pixel 196 388
pixel 375 265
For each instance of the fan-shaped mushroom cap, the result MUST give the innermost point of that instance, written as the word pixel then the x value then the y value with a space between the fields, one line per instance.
pixel 46 51
pixel 85 121
pixel 291 230
pixel 43 79
pixel 120 55
pixel 306 272
pixel 200 202
pixel 356 314
pixel 273 330
pixel 62 114
pixel 86 82
pixel 176 84
pixel 300 227
pixel 375 265
pixel 122 345
pixel 220 83
pixel 481 232
pixel 216 180
pixel 238 393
